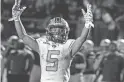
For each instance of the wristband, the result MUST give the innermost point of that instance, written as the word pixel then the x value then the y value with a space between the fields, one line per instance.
pixel 89 25
pixel 17 19
pixel 14 19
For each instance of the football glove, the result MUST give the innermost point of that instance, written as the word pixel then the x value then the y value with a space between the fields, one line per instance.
pixel 88 17
pixel 17 11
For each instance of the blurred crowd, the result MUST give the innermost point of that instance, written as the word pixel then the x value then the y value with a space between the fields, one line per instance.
pixel 91 64
pixel 108 17
pixel 101 57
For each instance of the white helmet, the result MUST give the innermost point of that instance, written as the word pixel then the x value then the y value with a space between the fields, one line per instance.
pixel 105 42
pixel 88 44
pixel 58 30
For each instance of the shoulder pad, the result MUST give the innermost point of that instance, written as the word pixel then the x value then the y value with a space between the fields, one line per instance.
pixel 39 40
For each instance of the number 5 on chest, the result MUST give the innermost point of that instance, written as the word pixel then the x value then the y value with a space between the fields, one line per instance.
pixel 52 60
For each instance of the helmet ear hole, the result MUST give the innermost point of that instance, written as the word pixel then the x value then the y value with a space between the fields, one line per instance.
pixel 67 32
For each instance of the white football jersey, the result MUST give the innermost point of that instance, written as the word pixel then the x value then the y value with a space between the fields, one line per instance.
pixel 55 60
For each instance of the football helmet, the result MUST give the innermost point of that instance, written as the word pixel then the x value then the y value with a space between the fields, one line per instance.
pixel 58 30
pixel 105 42
pixel 21 44
pixel 13 39
pixel 120 41
pixel 88 45
pixel 120 44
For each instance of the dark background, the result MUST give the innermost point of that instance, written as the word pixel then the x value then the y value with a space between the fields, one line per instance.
pixel 108 17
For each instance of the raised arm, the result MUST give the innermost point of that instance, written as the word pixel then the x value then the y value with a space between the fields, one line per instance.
pixel 88 24
pixel 16 13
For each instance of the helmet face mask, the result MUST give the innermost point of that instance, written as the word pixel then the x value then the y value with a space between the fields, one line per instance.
pixel 58 30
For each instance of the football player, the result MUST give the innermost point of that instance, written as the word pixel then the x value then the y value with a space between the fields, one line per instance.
pixel 56 50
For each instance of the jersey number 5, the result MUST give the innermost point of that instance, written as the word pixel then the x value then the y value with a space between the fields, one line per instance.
pixel 52 60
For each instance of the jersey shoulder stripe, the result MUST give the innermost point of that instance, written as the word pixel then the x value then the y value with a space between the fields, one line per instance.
pixel 70 42
pixel 39 40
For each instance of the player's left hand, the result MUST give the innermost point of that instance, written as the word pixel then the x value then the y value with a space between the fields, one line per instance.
pixel 88 16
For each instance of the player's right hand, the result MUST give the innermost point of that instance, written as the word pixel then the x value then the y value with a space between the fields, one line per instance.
pixel 16 11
